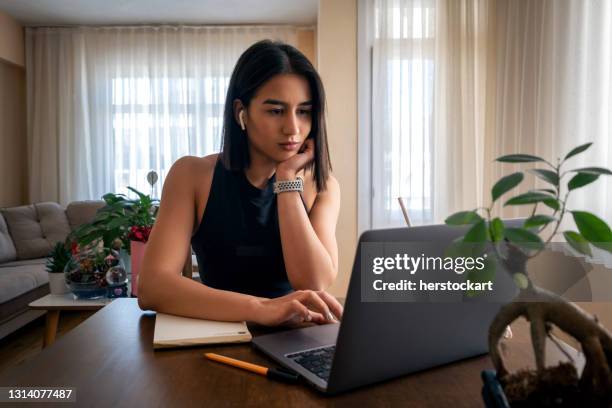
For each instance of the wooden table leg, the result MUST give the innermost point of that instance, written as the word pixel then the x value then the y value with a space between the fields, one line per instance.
pixel 50 327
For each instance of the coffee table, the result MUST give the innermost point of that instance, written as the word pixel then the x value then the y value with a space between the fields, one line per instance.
pixel 54 304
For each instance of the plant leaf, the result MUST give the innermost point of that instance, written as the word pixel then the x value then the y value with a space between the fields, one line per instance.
pixel 506 184
pixel 140 195
pixel 521 280
pixel 463 218
pixel 577 150
pixel 546 190
pixel 594 229
pixel 547 175
pixel 115 223
pixel 485 274
pixel 524 238
pixel 529 198
pixel 578 242
pixel 538 220
pixel 552 203
pixel 497 230
pixel 476 234
pixel 519 158
pixel 593 170
pixel 460 249
pixel 581 179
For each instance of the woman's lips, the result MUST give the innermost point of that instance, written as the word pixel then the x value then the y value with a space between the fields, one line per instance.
pixel 290 146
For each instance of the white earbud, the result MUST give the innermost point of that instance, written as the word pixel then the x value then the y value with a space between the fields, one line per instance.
pixel 241 119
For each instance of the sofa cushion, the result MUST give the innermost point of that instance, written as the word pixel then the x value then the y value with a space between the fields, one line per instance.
pixel 36 228
pixel 53 222
pixel 7 248
pixel 81 212
pixel 23 262
pixel 17 280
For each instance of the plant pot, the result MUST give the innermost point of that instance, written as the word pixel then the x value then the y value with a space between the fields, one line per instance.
pixel 57 283
pixel 137 248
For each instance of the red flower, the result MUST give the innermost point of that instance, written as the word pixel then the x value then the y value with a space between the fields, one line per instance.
pixel 139 233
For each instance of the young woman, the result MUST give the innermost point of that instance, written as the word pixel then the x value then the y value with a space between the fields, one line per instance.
pixel 261 215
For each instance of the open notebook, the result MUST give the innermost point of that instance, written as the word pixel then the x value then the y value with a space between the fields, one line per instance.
pixel 177 331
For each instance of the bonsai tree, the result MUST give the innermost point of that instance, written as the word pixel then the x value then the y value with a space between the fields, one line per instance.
pixel 113 222
pixel 513 247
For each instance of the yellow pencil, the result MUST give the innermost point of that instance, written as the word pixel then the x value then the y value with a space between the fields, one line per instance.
pixel 273 373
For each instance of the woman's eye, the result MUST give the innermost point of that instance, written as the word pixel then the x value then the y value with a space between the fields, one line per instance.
pixel 304 112
pixel 276 111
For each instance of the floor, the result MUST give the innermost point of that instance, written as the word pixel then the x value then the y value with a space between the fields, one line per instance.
pixel 26 343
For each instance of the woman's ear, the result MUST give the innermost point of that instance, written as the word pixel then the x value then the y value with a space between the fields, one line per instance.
pixel 239 113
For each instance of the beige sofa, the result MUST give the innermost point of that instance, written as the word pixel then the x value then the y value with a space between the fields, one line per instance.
pixel 27 234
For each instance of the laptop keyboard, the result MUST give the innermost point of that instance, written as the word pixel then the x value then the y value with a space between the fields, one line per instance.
pixel 318 361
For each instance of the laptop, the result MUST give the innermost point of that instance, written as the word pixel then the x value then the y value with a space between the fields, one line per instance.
pixel 377 341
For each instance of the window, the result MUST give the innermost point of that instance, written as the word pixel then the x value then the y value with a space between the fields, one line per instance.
pixel 410 158
pixel 400 46
pixel 158 120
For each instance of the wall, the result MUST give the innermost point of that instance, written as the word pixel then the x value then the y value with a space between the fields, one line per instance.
pixel 11 40
pixel 13 155
pixel 307 45
pixel 337 64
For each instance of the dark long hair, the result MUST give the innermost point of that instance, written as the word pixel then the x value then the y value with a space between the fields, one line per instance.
pixel 258 64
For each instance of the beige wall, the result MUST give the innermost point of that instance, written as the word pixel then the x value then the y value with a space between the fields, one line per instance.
pixel 307 44
pixel 11 40
pixel 337 64
pixel 12 114
pixel 12 135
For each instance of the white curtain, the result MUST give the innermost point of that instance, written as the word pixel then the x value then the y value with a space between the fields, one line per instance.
pixel 428 99
pixel 402 109
pixel 460 104
pixel 108 104
pixel 457 83
pixel 554 87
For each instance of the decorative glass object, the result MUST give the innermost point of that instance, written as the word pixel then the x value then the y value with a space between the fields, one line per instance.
pixel 88 273
pixel 117 279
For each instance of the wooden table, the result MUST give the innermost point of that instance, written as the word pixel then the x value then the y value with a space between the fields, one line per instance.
pixel 54 304
pixel 109 359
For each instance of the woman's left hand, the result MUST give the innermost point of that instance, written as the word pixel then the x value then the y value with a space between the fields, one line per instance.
pixel 288 169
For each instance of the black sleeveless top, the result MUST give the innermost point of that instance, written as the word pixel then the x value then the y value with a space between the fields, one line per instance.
pixel 238 243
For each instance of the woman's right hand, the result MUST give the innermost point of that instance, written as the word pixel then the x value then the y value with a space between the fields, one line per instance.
pixel 298 307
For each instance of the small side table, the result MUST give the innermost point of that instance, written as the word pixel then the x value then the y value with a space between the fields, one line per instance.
pixel 53 304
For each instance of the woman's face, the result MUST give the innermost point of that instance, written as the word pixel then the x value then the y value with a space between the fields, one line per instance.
pixel 279 118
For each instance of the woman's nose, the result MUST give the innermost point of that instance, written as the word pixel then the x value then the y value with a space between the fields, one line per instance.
pixel 291 125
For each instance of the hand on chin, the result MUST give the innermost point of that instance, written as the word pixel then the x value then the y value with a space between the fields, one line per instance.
pixel 288 169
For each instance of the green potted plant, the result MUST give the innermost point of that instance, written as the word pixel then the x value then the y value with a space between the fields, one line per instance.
pixel 56 263
pixel 113 222
pixel 122 224
pixel 513 247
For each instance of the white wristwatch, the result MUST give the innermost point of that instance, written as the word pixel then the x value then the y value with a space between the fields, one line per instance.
pixel 289 185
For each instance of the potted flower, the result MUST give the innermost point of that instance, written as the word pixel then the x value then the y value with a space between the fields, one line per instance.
pixel 56 262
pixel 138 236
pixel 112 222
pixel 561 385
pixel 122 224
